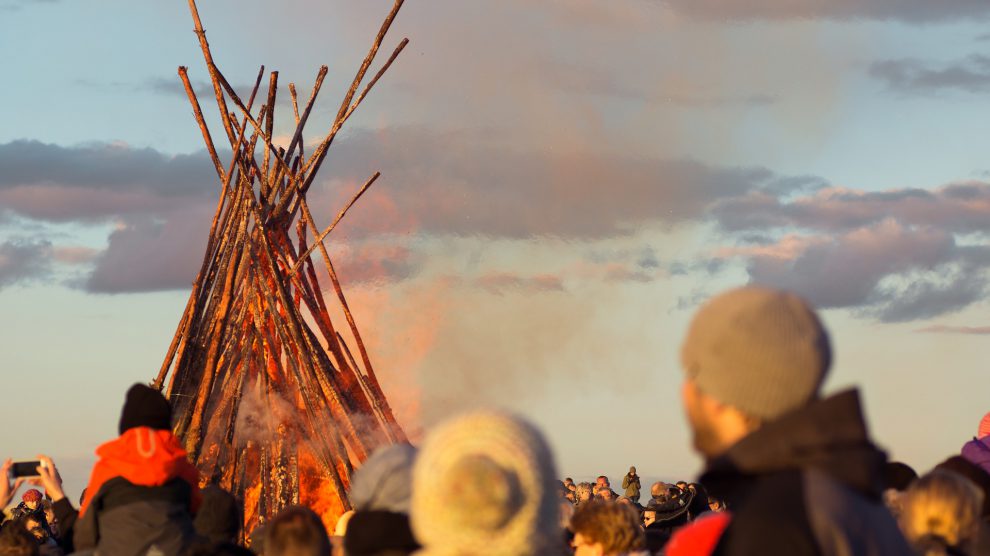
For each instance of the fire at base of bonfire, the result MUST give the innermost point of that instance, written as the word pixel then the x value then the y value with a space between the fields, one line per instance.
pixel 269 399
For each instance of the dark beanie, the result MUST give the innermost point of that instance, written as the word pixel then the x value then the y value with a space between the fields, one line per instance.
pixel 375 532
pixel 145 407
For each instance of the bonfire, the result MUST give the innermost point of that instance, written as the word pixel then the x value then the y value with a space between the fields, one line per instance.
pixel 270 399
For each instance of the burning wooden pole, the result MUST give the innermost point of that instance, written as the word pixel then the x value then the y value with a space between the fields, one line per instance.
pixel 268 398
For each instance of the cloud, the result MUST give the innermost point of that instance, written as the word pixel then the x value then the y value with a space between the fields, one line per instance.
pixel 152 255
pixel 99 181
pixel 910 11
pixel 501 283
pixel 944 329
pixel 24 261
pixel 961 207
pixel 887 270
pixel 910 76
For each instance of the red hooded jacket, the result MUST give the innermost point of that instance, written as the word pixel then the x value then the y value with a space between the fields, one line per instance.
pixel 145 457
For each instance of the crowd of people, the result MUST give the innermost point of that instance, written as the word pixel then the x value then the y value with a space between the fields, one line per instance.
pixel 788 471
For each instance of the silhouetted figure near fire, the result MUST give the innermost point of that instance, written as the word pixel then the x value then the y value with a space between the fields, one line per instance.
pixel 799 472
pixel 381 493
pixel 296 531
pixel 143 491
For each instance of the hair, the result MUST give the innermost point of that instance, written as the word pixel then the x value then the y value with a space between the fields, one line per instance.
pixel 15 540
pixel 941 510
pixel 583 487
pixel 296 531
pixel 219 516
pixel 898 476
pixel 658 489
pixel 615 526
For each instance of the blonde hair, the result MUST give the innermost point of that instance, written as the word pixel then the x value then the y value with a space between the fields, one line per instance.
pixel 583 488
pixel 941 510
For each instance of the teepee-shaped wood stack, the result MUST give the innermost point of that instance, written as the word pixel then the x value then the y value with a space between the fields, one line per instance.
pixel 269 399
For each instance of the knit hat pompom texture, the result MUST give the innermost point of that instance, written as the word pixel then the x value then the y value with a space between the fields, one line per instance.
pixel 484 484
pixel 984 430
pixel 760 350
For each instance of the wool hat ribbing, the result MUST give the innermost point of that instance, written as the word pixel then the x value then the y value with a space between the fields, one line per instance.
pixel 760 350
pixel 484 484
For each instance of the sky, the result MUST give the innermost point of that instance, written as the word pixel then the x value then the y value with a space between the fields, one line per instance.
pixel 563 182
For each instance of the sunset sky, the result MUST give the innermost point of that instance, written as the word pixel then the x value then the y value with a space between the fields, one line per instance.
pixel 563 182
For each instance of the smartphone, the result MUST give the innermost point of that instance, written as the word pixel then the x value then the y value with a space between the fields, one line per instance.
pixel 24 469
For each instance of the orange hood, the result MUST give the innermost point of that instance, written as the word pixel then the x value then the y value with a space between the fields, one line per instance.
pixel 145 457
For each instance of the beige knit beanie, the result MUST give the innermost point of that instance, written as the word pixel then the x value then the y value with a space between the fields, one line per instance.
pixel 760 350
pixel 483 484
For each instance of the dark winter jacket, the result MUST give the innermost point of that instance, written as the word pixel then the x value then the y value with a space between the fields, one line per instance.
pixel 140 497
pixel 632 486
pixel 808 483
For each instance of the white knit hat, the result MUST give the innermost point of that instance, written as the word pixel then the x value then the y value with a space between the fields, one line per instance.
pixel 483 485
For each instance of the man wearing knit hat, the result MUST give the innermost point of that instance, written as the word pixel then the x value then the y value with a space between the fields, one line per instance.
pixel 798 471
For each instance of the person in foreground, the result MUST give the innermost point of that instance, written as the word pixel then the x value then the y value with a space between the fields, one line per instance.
pixel 798 471
pixel 602 528
pixel 484 484
pixel 143 491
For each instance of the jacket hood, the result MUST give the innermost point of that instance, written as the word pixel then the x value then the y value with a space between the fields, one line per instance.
pixel 977 451
pixel 828 435
pixel 144 456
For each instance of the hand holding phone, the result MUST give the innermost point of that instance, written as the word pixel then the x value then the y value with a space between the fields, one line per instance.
pixel 8 487
pixel 25 469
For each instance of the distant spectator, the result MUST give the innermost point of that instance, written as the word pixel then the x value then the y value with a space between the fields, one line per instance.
pixel 381 492
pixel 483 484
pixel 379 533
pixel 800 472
pixel 143 490
pixel 631 484
pixel 977 451
pixel 606 529
pixel 296 531
pixel 668 517
pixel 30 504
pixel 568 482
pixel 715 505
pixel 219 517
pixel 584 493
pixel 697 501
pixel 941 514
pixel 897 477
pixel 606 494
pixel 658 492
pixel 384 481
pixel 602 481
